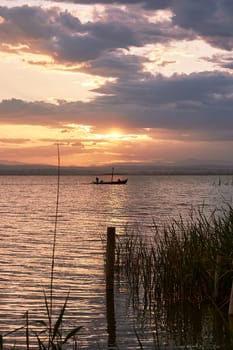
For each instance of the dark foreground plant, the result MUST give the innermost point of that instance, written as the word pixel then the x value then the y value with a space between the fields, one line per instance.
pixel 50 335
pixel 186 266
pixel 55 339
pixel 53 333
pixel 187 261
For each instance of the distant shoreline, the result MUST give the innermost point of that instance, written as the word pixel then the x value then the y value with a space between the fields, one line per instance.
pixel 122 171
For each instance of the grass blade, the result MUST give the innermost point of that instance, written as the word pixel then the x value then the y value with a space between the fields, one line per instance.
pixel 59 320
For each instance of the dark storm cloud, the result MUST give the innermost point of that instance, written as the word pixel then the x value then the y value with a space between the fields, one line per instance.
pixel 24 23
pixel 150 4
pixel 116 65
pixel 58 33
pixel 68 41
pixel 32 113
pixel 198 102
pixel 82 48
pixel 61 35
pixel 224 61
pixel 195 88
pixel 228 65
pixel 101 46
pixel 210 19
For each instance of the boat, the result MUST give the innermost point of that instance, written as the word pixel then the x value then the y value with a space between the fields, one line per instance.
pixel 118 182
pixel 111 182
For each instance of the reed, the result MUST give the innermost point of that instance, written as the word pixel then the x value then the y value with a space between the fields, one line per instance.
pixel 52 330
pixel 181 277
pixel 188 261
pixel 49 333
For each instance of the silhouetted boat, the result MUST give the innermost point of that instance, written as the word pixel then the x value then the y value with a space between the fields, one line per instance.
pixel 118 182
pixel 111 182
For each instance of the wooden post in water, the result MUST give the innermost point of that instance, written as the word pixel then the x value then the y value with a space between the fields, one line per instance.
pixel 110 257
pixel 110 305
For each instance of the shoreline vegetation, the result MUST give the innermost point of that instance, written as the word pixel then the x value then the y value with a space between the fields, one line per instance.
pixel 188 265
pixel 182 261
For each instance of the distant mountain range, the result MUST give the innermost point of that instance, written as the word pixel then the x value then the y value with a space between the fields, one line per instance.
pixel 190 166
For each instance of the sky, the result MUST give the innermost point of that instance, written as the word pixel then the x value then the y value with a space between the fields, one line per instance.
pixel 119 81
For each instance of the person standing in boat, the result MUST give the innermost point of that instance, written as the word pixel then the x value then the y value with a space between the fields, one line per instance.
pixel 97 180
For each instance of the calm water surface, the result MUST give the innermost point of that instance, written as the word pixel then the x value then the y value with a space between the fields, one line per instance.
pixel 27 209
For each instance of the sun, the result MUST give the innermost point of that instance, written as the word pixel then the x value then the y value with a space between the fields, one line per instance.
pixel 111 135
pixel 117 136
pixel 114 135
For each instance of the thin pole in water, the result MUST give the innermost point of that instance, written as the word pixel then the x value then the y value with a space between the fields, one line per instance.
pixel 110 256
pixel 112 174
pixel 110 307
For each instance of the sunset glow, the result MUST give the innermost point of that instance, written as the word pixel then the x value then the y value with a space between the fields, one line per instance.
pixel 115 82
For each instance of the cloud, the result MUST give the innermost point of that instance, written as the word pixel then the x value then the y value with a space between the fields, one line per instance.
pixel 60 34
pixel 63 37
pixel 150 4
pixel 14 140
pixel 201 103
pixel 221 60
pixel 196 101
pixel 116 65
pixel 37 154
pixel 210 19
pixel 166 63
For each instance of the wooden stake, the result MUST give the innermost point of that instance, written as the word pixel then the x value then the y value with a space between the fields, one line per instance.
pixel 110 307
pixel 110 257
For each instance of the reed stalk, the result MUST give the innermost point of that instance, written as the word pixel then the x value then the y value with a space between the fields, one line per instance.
pixel 56 340
pixel 50 310
pixel 181 262
pixel 172 276
pixel 50 336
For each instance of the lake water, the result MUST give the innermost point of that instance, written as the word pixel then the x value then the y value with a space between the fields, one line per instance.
pixel 27 216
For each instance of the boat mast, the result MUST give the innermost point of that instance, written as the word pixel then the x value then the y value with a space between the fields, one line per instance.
pixel 112 174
